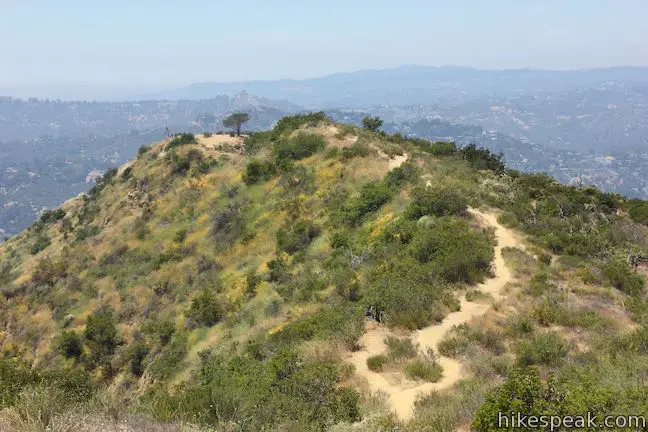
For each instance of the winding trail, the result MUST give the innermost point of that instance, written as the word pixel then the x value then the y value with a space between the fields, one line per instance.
pixel 402 392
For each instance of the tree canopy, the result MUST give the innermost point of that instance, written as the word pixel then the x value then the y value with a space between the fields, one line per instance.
pixel 235 121
pixel 372 123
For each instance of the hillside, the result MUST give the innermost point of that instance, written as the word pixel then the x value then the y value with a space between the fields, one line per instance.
pixel 319 276
pixel 615 170
pixel 48 148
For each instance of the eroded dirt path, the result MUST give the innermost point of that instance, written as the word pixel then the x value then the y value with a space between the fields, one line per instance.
pixel 402 392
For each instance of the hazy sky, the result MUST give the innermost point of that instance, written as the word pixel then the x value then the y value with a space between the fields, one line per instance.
pixel 74 48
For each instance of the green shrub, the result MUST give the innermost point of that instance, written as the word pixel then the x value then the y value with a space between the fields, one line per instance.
pixel 540 285
pixel 522 392
pixel 550 310
pixel 101 334
pixel 284 390
pixel 490 340
pixel 332 153
pixel 459 343
pixel 407 293
pixel 301 146
pixel 14 376
pixel 41 243
pixel 180 235
pixel 588 319
pixel 340 239
pixel 279 269
pixel 398 177
pixel 141 229
pixel 633 342
pixel 372 197
pixel 435 201
pixel 305 284
pixel 181 140
pixel 638 211
pixel 76 386
pixel 399 232
pixel 620 276
pixel 545 258
pixel 252 281
pixel 441 148
pixel 256 171
pixel 51 216
pixel 127 173
pixel 543 349
pixel 298 180
pixel 291 123
pixel 228 224
pixel 101 184
pixel 206 310
pixel 84 233
pixel 483 159
pixel 171 255
pixel 273 309
pixel 377 362
pixel 143 150
pixel 171 357
pixel 203 166
pixel 424 369
pixel 454 346
pixel 181 164
pixel 257 141
pixel 458 254
pixel 207 134
pixel 70 345
pixel 553 310
pixel 398 348
pixel 161 329
pixel 357 149
pixel 519 326
pixel 343 323
pixel 137 354
pixel 48 271
pixel 372 124
pixel 297 236
pixel 447 411
pixel 345 130
pixel 485 365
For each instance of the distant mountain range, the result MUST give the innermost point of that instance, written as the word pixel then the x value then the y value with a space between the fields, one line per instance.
pixel 412 85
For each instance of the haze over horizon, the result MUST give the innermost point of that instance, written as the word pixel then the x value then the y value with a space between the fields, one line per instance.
pixel 119 49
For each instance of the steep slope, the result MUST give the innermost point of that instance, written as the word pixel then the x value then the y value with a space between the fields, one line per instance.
pixel 282 281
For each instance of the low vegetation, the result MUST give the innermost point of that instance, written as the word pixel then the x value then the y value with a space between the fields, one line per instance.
pixel 226 291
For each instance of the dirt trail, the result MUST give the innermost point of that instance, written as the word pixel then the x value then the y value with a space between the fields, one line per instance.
pixel 393 161
pixel 401 392
pixel 397 161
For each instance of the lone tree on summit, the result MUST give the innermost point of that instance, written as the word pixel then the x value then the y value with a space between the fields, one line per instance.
pixel 372 123
pixel 235 121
